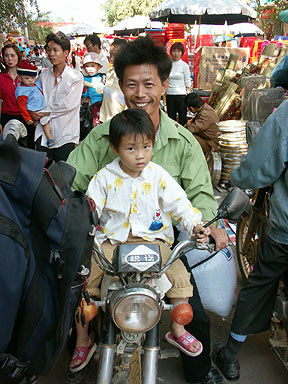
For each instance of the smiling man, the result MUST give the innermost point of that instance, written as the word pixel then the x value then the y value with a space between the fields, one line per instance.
pixel 62 88
pixel 143 70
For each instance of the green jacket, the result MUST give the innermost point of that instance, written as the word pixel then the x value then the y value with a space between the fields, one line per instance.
pixel 175 150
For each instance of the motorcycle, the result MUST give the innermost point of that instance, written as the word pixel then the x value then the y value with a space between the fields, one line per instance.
pixel 132 300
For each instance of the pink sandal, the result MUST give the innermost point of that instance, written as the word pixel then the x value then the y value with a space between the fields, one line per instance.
pixel 83 354
pixel 184 343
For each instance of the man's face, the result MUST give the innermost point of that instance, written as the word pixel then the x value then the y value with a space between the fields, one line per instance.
pixel 56 54
pixel 92 48
pixel 142 88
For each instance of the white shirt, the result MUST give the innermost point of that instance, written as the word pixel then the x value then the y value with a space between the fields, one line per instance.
pixel 104 61
pixel 63 100
pixel 144 205
pixel 179 78
pixel 113 98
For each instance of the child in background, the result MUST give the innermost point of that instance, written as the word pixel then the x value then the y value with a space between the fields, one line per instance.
pixel 93 85
pixel 136 200
pixel 30 96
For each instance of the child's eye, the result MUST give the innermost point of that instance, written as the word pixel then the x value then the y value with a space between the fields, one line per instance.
pixel 131 149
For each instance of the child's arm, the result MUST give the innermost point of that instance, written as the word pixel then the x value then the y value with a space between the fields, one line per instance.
pixel 175 202
pixel 22 100
pixel 202 233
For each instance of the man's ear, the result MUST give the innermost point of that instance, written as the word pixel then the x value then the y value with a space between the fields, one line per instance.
pixel 165 86
pixel 120 85
pixel 66 53
pixel 114 149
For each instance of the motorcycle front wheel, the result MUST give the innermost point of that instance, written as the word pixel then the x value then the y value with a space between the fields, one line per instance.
pixel 248 259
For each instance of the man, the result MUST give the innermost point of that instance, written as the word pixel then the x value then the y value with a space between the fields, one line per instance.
pixel 93 44
pixel 264 165
pixel 62 88
pixel 204 125
pixel 113 98
pixel 143 70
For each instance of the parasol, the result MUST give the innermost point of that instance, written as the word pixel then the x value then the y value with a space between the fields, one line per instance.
pixel 245 28
pixel 222 38
pixel 206 12
pixel 284 16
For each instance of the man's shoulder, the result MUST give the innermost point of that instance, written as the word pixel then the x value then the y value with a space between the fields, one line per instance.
pixel 101 132
pixel 73 73
pixel 177 130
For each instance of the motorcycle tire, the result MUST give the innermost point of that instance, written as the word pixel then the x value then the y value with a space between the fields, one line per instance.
pixel 246 262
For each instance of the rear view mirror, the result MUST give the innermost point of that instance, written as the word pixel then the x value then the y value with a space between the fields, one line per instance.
pixel 232 207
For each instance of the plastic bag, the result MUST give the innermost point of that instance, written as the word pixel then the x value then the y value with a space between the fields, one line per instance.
pixel 86 120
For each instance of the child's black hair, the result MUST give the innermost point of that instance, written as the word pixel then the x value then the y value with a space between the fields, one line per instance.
pixel 133 122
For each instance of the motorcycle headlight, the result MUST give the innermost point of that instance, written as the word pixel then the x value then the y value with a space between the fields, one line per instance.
pixel 135 309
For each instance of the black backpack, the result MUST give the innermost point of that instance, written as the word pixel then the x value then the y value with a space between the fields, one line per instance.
pixel 46 240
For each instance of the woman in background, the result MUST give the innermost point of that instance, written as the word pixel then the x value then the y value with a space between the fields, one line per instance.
pixel 179 85
pixel 8 82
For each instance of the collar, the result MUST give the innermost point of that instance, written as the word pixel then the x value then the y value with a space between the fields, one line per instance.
pixel 114 166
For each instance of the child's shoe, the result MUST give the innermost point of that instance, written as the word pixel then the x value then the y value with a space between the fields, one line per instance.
pixel 51 144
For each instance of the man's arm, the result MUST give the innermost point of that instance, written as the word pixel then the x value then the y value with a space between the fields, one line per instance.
pixel 267 155
pixel 200 123
pixel 93 152
pixel 197 184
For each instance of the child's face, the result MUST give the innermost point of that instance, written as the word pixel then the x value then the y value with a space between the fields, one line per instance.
pixel 91 68
pixel 135 153
pixel 29 81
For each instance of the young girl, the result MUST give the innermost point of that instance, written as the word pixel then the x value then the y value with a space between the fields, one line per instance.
pixel 30 96
pixel 93 84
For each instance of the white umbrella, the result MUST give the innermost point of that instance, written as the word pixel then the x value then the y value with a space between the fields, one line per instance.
pixel 83 29
pixel 203 11
pixel 136 22
pixel 240 28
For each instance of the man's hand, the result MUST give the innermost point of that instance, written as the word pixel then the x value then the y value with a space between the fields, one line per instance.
pixel 220 236
pixel 188 124
pixel 36 116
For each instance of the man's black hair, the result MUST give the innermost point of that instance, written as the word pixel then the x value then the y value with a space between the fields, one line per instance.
pixel 94 40
pixel 193 100
pixel 179 46
pixel 119 42
pixel 143 51
pixel 132 121
pixel 59 38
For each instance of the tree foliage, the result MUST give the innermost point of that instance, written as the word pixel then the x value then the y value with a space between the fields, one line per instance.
pixel 117 10
pixel 271 24
pixel 36 32
pixel 13 13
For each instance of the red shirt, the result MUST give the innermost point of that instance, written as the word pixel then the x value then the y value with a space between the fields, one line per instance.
pixel 7 94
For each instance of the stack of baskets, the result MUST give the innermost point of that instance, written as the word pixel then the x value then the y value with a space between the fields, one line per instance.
pixel 232 145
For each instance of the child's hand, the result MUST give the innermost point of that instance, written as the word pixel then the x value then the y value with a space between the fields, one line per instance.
pixel 202 233
pixel 29 122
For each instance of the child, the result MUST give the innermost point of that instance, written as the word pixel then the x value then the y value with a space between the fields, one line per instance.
pixel 136 200
pixel 30 96
pixel 93 84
